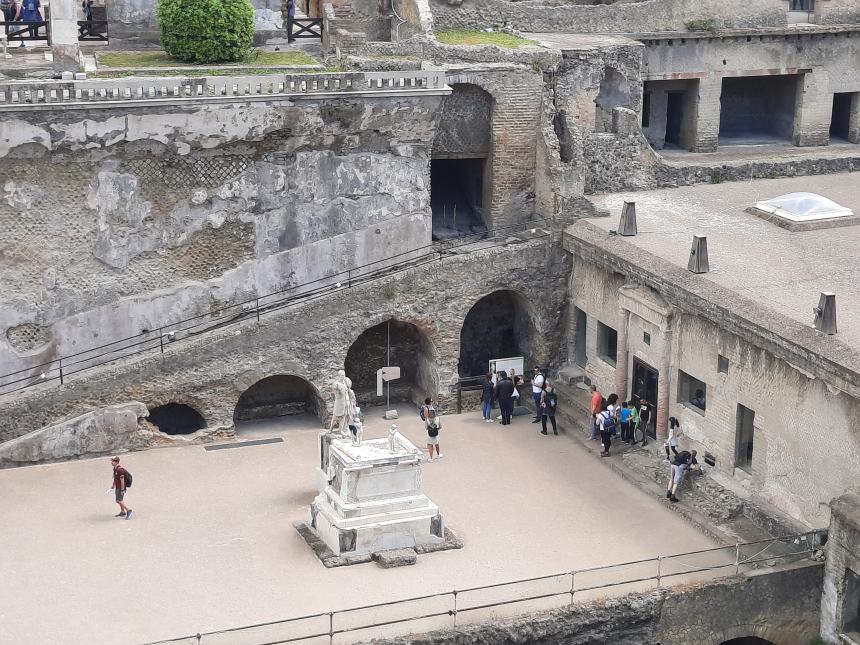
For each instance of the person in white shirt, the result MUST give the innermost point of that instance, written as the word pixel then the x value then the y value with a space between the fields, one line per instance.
pixel 608 420
pixel 537 390
pixel 673 440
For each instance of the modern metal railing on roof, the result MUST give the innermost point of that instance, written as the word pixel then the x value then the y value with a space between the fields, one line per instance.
pixel 109 92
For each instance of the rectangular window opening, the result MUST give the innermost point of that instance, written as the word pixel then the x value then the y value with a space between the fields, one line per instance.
pixel 581 321
pixel 607 343
pixel 646 338
pixel 722 364
pixel 745 436
pixel 692 392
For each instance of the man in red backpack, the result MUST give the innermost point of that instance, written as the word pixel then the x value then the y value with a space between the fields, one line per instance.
pixel 120 476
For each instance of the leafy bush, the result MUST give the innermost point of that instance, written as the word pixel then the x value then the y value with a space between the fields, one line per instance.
pixel 701 24
pixel 206 31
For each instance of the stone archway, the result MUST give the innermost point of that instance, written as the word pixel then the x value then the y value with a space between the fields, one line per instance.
pixel 396 343
pixel 176 418
pixel 278 395
pixel 499 325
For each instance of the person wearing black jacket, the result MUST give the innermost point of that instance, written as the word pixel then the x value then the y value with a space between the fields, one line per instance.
pixel 502 393
pixel 487 398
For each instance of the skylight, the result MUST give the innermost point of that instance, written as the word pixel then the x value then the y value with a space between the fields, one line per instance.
pixel 803 207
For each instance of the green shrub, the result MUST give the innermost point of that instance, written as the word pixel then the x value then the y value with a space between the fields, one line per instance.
pixel 701 24
pixel 206 31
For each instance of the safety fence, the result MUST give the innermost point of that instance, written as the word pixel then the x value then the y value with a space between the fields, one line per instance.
pixel 109 92
pixel 501 600
pixel 160 339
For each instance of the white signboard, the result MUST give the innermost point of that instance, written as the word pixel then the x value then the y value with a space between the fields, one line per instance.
pixel 385 374
pixel 506 365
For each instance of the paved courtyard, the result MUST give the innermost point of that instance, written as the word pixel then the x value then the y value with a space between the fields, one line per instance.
pixel 211 543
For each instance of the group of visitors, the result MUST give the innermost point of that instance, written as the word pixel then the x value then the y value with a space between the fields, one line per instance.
pixel 608 419
pixel 22 11
pixel 630 420
pixel 504 392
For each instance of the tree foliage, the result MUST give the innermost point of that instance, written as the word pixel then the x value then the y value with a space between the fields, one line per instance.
pixel 206 31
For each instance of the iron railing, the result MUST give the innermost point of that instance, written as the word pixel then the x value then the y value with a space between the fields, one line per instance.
pixel 473 604
pixel 21 30
pixel 307 28
pixel 156 340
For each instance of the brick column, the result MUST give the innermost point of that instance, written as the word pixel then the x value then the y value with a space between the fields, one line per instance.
pixel 700 130
pixel 854 119
pixel 621 355
pixel 813 109
pixel 64 36
pixel 663 389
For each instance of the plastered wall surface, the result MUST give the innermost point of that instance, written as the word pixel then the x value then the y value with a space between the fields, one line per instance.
pixel 115 223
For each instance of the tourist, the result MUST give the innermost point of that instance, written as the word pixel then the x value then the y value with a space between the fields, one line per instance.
pixel 121 481
pixel 633 406
pixel 607 421
pixel 596 407
pixel 674 436
pixel 644 419
pixel 502 393
pixel 699 400
pixel 31 13
pixel 12 13
pixel 291 15
pixel 683 461
pixel 487 398
pixel 515 395
pixel 537 393
pixel 433 425
pixel 86 28
pixel 548 403
pixel 624 420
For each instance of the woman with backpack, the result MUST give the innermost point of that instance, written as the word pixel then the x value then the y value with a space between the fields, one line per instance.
pixel 433 424
pixel 608 422
pixel 548 404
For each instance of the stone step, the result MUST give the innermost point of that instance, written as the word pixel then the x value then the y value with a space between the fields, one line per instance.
pixel 571 374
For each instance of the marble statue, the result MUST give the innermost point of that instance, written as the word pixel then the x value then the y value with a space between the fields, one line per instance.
pixel 357 431
pixel 342 404
pixel 394 437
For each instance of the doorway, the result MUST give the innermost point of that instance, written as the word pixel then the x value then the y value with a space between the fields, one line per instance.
pixel 674 116
pixel 457 197
pixel 581 331
pixel 840 118
pixel 745 433
pixel 645 380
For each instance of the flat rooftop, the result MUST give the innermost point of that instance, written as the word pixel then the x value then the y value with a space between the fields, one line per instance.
pixel 753 258
pixel 211 544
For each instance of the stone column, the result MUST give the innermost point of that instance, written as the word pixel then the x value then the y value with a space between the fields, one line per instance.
pixel 64 36
pixel 621 355
pixel 854 119
pixel 662 421
pixel 700 129
pixel 813 109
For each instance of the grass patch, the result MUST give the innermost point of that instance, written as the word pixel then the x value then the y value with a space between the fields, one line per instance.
pixel 701 24
pixel 474 37
pixel 161 59
pixel 190 73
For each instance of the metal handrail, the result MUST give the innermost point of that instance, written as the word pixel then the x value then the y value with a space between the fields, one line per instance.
pixel 811 538
pixel 59 369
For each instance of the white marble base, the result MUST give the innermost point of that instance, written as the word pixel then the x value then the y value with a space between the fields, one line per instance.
pixel 370 499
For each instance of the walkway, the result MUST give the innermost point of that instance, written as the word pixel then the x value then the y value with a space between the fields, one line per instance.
pixel 211 544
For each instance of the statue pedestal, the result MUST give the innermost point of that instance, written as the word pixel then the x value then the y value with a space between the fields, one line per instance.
pixel 370 499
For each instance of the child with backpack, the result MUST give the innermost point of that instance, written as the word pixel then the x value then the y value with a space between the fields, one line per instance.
pixel 608 423
pixel 548 404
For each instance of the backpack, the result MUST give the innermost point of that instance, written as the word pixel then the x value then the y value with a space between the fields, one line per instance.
pixel 421 413
pixel 608 422
pixel 433 430
pixel 128 479
pixel 683 458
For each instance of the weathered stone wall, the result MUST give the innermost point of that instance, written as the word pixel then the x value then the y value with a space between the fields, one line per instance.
pixel 619 17
pixel 840 600
pixel 766 605
pixel 311 340
pixel 837 12
pixel 782 380
pixel 118 221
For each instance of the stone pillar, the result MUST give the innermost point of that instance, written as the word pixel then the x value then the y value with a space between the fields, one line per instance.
pixel 662 421
pixel 700 129
pixel 813 109
pixel 854 119
pixel 64 36
pixel 839 599
pixel 621 355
